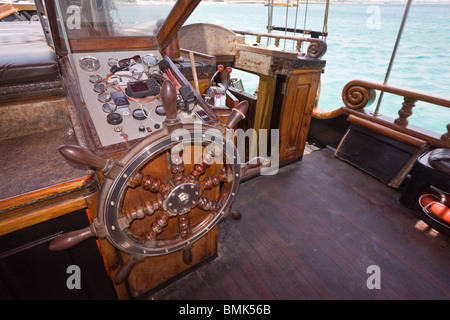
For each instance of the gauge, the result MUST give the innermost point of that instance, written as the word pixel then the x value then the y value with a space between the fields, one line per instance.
pixel 95 79
pixel 149 60
pixel 99 87
pixel 89 63
pixel 140 114
pixel 112 62
pixel 114 118
pixel 109 107
pixel 104 97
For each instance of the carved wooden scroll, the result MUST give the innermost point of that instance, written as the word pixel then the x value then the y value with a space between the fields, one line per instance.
pixel 358 94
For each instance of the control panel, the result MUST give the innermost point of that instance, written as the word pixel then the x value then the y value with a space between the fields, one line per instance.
pixel 121 92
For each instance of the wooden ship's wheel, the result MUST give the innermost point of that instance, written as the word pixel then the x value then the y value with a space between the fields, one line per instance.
pixel 180 204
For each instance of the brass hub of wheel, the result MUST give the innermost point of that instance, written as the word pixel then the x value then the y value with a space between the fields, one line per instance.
pixel 182 198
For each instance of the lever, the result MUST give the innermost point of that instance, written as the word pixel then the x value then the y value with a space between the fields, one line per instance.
pixel 187 255
pixel 70 239
pixel 168 95
pixel 164 66
pixel 109 167
pixel 220 68
pixel 253 166
pixel 227 84
pixel 237 114
pixel 125 271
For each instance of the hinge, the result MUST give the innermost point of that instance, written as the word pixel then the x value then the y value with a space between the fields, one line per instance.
pixel 285 88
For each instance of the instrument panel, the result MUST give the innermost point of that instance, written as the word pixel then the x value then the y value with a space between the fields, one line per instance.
pixel 121 93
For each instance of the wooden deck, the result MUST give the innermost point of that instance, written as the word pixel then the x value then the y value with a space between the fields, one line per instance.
pixel 310 232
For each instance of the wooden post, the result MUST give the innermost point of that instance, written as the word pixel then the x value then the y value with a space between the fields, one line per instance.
pixel 446 136
pixel 405 111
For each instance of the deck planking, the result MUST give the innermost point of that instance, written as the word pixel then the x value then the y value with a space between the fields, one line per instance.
pixel 310 232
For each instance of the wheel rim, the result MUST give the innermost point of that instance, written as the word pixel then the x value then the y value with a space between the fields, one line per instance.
pixel 113 191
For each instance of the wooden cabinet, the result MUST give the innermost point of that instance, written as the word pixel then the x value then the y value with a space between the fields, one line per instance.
pixel 300 90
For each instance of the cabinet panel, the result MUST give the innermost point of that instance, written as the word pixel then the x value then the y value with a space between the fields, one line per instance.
pixel 29 270
pixel 296 113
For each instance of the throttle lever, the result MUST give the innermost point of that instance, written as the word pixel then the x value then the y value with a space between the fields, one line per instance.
pixel 168 95
pixel 237 114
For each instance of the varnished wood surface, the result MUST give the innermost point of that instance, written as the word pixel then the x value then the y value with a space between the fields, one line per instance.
pixel 358 94
pixel 155 270
pixel 296 113
pixel 387 131
pixel 310 232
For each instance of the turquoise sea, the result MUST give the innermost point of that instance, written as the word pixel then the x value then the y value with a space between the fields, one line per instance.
pixel 360 42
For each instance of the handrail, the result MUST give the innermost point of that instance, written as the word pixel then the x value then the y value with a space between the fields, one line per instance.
pixel 316 48
pixel 358 94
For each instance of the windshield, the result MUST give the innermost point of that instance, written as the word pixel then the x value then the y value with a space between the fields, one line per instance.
pixel 87 19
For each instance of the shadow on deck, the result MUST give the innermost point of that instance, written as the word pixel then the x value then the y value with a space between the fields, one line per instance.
pixel 310 232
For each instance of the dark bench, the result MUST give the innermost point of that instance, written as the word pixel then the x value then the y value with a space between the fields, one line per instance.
pixel 28 65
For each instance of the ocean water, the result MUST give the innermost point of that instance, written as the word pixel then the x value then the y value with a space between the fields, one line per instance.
pixel 360 43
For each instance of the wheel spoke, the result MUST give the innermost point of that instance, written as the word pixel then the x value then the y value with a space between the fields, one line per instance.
pixel 177 170
pixel 206 204
pixel 149 183
pixel 140 211
pixel 213 180
pixel 204 162
pixel 157 226
pixel 184 225
pixel 177 165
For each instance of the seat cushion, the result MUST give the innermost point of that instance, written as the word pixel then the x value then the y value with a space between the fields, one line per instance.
pixel 25 55
pixel 440 160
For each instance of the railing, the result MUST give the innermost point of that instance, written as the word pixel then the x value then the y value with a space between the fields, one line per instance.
pixel 316 48
pixel 358 94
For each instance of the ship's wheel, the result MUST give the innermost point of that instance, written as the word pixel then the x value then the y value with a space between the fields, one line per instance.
pixel 174 207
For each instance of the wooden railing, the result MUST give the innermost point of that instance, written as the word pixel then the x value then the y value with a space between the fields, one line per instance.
pixel 358 94
pixel 316 48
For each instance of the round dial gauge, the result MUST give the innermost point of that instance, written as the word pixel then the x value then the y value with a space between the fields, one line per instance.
pixel 112 62
pixel 104 97
pixel 109 107
pixel 149 60
pixel 95 78
pixel 89 63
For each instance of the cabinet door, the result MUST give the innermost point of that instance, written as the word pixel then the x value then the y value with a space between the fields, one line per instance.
pixel 296 113
pixel 29 270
